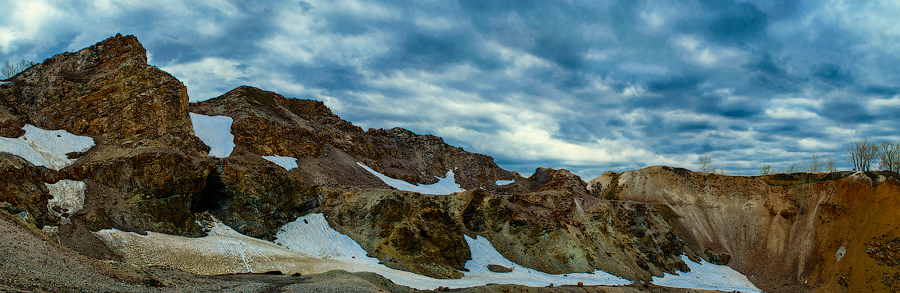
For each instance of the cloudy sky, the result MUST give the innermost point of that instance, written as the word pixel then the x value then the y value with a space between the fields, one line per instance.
pixel 587 85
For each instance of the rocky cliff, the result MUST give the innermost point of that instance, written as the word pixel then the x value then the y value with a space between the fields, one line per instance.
pixel 787 232
pixel 147 170
pixel 547 222
pixel 146 155
pixel 327 147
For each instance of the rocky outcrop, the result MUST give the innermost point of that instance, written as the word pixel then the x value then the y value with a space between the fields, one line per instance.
pixel 106 91
pixel 147 171
pixel 786 232
pixel 556 229
pixel 327 147
pixel 23 191
pixel 405 230
pixel 146 164
pixel 254 196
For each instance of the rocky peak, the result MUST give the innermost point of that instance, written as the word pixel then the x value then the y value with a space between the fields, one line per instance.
pixel 106 91
pixel 549 179
pixel 266 123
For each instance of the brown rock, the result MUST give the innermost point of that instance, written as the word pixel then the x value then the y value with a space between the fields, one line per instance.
pixel 22 189
pixel 266 123
pixel 254 196
pixel 106 91
pixel 500 269
pixel 405 230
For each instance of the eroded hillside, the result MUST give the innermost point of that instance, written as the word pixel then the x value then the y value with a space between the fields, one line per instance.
pixel 828 233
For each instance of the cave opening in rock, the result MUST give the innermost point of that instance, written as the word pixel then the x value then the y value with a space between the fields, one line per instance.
pixel 212 197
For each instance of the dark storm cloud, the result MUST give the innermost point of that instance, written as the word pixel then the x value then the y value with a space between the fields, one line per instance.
pixel 832 73
pixel 588 85
pixel 846 111
pixel 735 23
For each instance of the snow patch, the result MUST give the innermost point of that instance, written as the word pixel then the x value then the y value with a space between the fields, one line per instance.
pixel 504 182
pixel 285 162
pixel 215 132
pixel 46 148
pixel 68 197
pixel 446 185
pixel 312 235
pixel 221 251
pixel 707 276
pixel 309 246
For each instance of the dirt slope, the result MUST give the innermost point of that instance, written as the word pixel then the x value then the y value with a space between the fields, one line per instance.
pixel 786 236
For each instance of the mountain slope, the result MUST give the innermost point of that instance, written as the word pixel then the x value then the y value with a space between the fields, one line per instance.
pixel 327 147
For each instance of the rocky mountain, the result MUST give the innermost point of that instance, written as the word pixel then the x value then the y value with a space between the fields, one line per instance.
pixel 327 148
pixel 127 158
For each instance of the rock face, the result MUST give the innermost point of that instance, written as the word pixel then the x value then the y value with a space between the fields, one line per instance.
pixel 23 190
pixel 327 147
pixel 147 171
pixel 254 196
pixel 532 223
pixel 784 233
pixel 405 230
pixel 145 165
pixel 107 92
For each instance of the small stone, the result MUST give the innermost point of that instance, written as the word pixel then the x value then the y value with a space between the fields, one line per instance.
pixel 499 269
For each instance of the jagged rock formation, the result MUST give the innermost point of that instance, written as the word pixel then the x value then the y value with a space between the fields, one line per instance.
pixel 547 222
pixel 145 158
pixel 147 171
pixel 106 91
pixel 23 190
pixel 327 148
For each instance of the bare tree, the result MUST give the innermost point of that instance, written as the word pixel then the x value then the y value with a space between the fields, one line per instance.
pixel 861 153
pixel 889 154
pixel 705 163
pixel 793 168
pixel 9 70
pixel 830 165
pixel 815 164
pixel 766 170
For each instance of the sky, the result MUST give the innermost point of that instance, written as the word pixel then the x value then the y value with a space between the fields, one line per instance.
pixel 588 86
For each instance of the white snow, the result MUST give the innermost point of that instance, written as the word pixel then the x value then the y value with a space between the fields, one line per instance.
pixel 46 148
pixel 285 162
pixel 312 235
pixel 309 245
pixel 221 251
pixel 446 185
pixel 68 195
pixel 215 132
pixel 707 276
pixel 504 182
